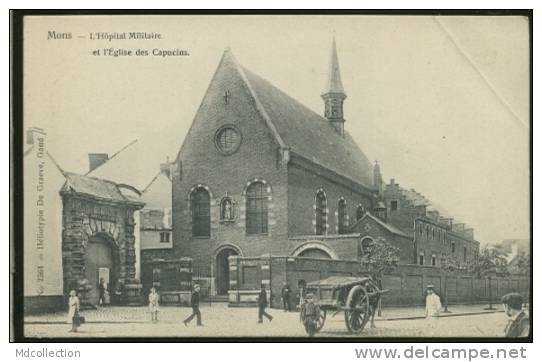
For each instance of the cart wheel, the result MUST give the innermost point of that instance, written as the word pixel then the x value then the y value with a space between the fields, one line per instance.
pixel 358 311
pixel 321 320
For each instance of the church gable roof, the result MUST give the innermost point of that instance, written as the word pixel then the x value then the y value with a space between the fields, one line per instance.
pixel 308 134
pixel 387 226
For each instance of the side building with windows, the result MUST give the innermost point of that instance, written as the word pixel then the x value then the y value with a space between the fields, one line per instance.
pixel 434 233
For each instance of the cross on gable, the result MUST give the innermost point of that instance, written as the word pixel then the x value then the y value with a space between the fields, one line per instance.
pixel 226 97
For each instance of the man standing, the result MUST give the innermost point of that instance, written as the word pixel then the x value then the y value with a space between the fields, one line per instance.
pixel 286 295
pixel 194 302
pixel 519 324
pixel 102 289
pixel 262 304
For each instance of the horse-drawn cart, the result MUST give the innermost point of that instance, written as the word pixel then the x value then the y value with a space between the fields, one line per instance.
pixel 357 297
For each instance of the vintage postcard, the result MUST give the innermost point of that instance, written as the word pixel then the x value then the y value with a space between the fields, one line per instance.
pixel 280 176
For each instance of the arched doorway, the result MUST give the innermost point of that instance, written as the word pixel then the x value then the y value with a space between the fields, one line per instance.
pixel 99 263
pixel 314 253
pixel 223 269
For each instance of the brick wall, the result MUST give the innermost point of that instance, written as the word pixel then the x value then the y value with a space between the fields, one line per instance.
pixel 407 284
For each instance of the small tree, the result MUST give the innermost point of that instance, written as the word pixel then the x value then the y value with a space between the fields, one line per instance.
pixel 379 257
pixel 490 262
pixel 523 264
pixel 449 264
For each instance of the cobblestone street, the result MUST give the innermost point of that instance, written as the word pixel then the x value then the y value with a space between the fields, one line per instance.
pixel 221 321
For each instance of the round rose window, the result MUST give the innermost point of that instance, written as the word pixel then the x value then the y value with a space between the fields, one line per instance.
pixel 228 139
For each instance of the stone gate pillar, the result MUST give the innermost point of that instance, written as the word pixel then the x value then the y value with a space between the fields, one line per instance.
pixel 87 214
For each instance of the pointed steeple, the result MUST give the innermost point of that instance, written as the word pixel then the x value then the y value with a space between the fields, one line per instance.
pixel 334 82
pixel 334 94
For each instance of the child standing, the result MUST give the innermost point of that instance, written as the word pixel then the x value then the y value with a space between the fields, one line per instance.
pixel 310 314
pixel 154 298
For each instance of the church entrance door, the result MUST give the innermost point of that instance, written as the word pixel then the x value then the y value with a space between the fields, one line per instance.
pixel 223 270
pixel 98 264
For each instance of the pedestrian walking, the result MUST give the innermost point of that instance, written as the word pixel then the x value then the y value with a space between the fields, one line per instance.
pixel 73 311
pixel 262 304
pixel 310 314
pixel 154 299
pixel 519 324
pixel 102 291
pixel 286 298
pixel 194 302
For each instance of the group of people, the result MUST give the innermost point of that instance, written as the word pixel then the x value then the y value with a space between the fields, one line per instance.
pixel 518 324
pixel 518 321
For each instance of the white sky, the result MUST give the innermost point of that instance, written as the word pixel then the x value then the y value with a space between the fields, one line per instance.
pixel 442 104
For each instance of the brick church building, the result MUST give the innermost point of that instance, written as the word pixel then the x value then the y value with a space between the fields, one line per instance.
pixel 260 173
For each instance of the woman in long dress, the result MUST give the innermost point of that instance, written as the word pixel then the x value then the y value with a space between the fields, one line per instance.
pixel 73 311
pixel 154 298
pixel 432 309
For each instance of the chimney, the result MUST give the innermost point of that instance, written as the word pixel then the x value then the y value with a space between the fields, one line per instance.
pixel 468 233
pixel 32 133
pixel 458 227
pixel 96 159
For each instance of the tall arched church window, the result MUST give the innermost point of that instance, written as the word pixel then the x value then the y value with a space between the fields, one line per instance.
pixel 341 210
pixel 256 216
pixel 321 204
pixel 201 212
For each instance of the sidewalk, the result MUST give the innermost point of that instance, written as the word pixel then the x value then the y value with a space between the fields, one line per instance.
pixel 405 313
pixel 173 313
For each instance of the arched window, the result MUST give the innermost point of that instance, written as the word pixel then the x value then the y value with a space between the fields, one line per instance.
pixel 256 216
pixel 201 215
pixel 359 212
pixel 314 253
pixel 321 205
pixel 342 216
